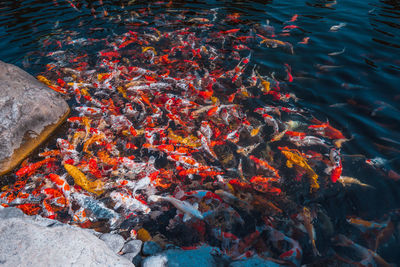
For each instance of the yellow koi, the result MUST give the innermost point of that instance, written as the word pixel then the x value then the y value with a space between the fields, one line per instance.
pixel 294 158
pixel 91 140
pixel 255 131
pixel 44 80
pixel 144 49
pixel 122 91
pixel 85 92
pixel 86 121
pixel 77 138
pixel 80 179
pixel 143 234
pixel 273 41
pixel 265 84
pixel 191 140
pixel 103 76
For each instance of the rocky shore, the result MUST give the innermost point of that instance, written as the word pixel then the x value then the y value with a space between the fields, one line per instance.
pixel 37 241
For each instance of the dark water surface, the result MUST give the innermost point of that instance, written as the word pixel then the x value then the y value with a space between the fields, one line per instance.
pixel 357 90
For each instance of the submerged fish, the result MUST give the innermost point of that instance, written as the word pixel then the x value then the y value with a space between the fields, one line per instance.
pixel 97 208
pixel 348 181
pixel 188 209
pixel 338 52
pixel 337 27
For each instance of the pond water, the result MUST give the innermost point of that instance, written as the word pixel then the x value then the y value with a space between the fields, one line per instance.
pixel 343 58
pixel 360 94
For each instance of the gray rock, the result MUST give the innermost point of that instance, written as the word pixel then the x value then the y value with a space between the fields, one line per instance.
pixel 182 258
pixel 137 260
pixel 156 261
pixel 114 242
pixel 254 262
pixel 129 256
pixel 131 249
pixel 29 112
pixel 150 248
pixel 25 242
pixel 11 213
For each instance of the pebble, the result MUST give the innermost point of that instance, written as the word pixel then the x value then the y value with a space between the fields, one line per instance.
pixel 254 262
pixel 113 241
pixel 7 213
pixel 177 257
pixel 137 260
pixel 156 261
pixel 131 249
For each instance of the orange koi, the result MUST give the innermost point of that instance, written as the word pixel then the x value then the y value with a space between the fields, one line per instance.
pixel 94 138
pixel 51 85
pixel 126 43
pixel 262 184
pixel 305 40
pixel 105 158
pixel 229 31
pixel 290 27
pixel 31 168
pixel 212 111
pixel 270 41
pixel 294 18
pixel 110 54
pixel 50 153
pixel 29 208
pixel 326 130
pixel 74 119
pixel 296 134
pixel 61 82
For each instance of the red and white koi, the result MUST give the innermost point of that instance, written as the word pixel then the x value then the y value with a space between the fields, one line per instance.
pixel 88 111
pixel 131 204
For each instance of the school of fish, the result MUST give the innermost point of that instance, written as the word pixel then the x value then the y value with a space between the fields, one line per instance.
pixel 175 127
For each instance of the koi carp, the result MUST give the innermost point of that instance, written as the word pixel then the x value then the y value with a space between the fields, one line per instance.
pixel 364 225
pixel 294 254
pixel 188 209
pixel 80 179
pixel 128 202
pixel 310 229
pixel 61 183
pixel 294 157
pixel 337 27
pixel 97 209
pixel 326 130
pixel 265 165
pixel 32 168
pixel 56 88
